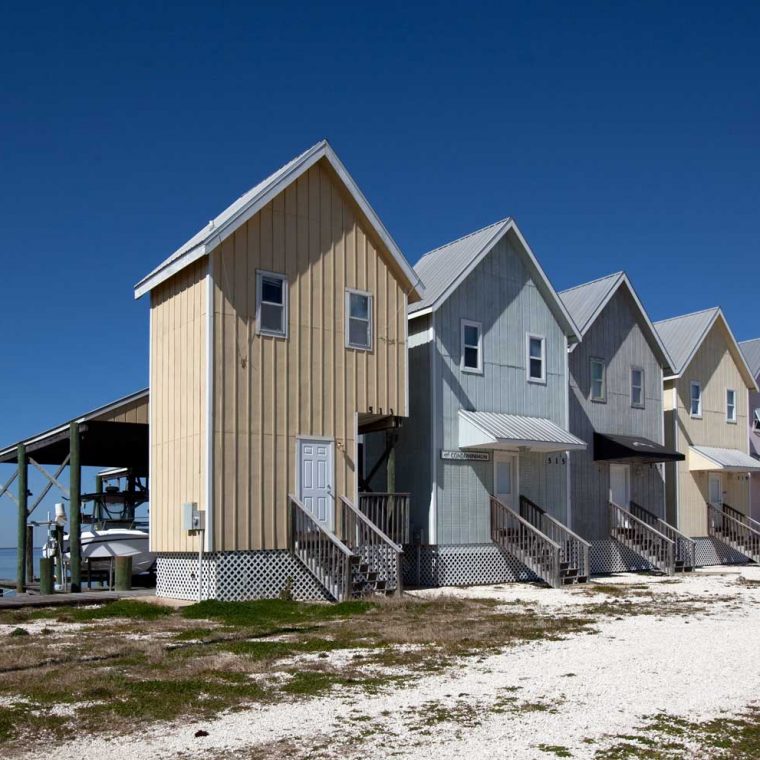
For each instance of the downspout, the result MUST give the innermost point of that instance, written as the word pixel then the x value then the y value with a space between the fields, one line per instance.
pixel 568 454
pixel 433 515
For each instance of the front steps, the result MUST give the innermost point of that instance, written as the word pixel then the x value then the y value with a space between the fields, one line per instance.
pixel 734 529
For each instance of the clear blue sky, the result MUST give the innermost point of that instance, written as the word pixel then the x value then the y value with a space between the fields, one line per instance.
pixel 620 135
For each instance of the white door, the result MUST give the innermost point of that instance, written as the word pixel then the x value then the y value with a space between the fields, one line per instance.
pixel 505 479
pixel 715 489
pixel 315 482
pixel 620 485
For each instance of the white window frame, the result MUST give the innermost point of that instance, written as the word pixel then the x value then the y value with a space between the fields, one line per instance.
pixel 530 378
pixel 370 312
pixel 603 398
pixel 698 415
pixel 260 275
pixel 638 404
pixel 479 326
pixel 731 419
pixel 756 419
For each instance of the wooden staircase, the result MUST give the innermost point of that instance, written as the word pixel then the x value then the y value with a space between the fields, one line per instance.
pixel 685 557
pixel 643 539
pixel 735 529
pixel 362 562
pixel 556 562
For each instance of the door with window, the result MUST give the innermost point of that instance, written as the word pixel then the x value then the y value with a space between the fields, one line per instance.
pixel 715 489
pixel 620 485
pixel 505 478
pixel 315 480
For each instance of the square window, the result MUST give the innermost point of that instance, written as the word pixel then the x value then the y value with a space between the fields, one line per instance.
pixel 536 359
pixel 472 346
pixel 272 304
pixel 359 320
pixel 598 380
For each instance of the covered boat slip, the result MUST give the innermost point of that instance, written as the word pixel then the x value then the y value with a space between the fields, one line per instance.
pixel 114 435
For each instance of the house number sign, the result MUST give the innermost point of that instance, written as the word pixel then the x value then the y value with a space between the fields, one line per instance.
pixel 466 456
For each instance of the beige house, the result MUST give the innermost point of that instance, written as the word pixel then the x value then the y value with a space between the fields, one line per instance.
pixel 278 333
pixel 706 418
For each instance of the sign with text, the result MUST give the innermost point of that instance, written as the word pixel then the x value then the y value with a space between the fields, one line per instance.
pixel 466 456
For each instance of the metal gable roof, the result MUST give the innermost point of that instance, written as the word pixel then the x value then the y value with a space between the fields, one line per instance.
pixel 713 458
pixel 684 335
pixel 751 351
pixel 444 268
pixel 248 204
pixel 517 430
pixel 587 301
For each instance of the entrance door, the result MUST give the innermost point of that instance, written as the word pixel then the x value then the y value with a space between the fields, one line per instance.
pixel 315 483
pixel 715 489
pixel 506 479
pixel 620 485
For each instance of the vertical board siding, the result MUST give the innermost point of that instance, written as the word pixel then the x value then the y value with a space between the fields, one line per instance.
pixel 617 337
pixel 754 450
pixel 177 405
pixel 271 390
pixel 135 411
pixel 714 367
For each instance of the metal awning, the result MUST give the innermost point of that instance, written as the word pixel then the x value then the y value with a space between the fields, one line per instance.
pixel 632 449
pixel 512 432
pixel 726 460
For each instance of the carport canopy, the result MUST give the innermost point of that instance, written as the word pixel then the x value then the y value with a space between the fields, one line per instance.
pixel 632 450
pixel 512 432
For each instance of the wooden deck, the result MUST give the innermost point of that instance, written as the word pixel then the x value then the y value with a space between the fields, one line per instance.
pixel 20 601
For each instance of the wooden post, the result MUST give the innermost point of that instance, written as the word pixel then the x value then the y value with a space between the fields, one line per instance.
pixel 75 526
pixel 29 553
pixel 390 465
pixel 21 535
pixel 99 491
pixel 46 575
pixel 123 573
pixel 59 556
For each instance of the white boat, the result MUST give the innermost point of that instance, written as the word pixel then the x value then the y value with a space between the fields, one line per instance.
pixel 101 545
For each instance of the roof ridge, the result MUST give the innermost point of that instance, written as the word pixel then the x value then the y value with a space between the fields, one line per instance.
pixel 690 314
pixel 619 273
pixel 749 340
pixel 464 237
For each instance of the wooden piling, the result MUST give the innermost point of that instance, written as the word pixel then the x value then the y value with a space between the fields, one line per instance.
pixel 123 573
pixel 22 515
pixel 46 575
pixel 29 553
pixel 75 506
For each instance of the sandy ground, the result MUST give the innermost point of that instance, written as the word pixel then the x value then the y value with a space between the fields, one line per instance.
pixel 576 693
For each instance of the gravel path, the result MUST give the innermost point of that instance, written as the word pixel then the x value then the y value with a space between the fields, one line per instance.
pixel 542 694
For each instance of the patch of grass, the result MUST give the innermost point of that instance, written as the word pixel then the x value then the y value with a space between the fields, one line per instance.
pixel 19 632
pixel 555 749
pixel 122 608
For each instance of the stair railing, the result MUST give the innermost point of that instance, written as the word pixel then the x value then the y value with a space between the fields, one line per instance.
pixel 573 549
pixel 685 547
pixel 390 512
pixel 525 542
pixel 328 559
pixel 722 524
pixel 746 519
pixel 641 538
pixel 371 545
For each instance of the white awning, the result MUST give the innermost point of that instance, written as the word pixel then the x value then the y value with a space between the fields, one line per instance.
pixel 727 460
pixel 512 432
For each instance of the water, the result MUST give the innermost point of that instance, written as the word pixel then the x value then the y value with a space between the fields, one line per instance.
pixel 8 563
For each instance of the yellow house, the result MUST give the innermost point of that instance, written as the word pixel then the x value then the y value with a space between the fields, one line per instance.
pixel 277 334
pixel 706 418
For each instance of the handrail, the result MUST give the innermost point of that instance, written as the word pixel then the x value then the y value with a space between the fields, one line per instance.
pixel 390 512
pixel 381 554
pixel 321 551
pixel 685 547
pixel 642 538
pixel 733 512
pixel 574 550
pixel 736 533
pixel 527 543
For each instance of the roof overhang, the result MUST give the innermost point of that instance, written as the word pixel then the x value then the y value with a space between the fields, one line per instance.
pixel 629 449
pixel 509 432
pixel 227 224
pixel 711 459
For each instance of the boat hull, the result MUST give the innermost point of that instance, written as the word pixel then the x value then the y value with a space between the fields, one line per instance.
pixel 100 546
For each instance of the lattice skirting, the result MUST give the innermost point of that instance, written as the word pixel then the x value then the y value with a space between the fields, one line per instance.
pixel 236 576
pixel 710 551
pixel 461 565
pixel 608 556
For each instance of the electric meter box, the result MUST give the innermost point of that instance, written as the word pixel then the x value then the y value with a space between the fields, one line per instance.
pixel 192 517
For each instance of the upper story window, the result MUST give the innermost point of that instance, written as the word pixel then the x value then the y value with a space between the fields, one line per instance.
pixel 472 346
pixel 695 400
pixel 536 360
pixel 358 319
pixel 598 380
pixel 637 387
pixel 272 304
pixel 730 405
pixel 756 420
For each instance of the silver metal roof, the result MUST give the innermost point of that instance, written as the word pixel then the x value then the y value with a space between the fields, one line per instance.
pixel 728 458
pixel 236 214
pixel 683 335
pixel 751 351
pixel 443 269
pixel 583 301
pixel 522 430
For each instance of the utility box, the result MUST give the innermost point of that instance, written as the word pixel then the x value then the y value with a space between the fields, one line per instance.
pixel 192 517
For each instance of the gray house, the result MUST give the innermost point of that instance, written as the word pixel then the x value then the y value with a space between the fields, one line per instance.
pixel 484 453
pixel 616 407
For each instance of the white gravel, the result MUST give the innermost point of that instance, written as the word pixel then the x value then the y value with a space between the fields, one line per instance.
pixel 585 687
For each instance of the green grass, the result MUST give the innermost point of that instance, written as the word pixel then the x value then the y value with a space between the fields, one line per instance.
pixel 123 608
